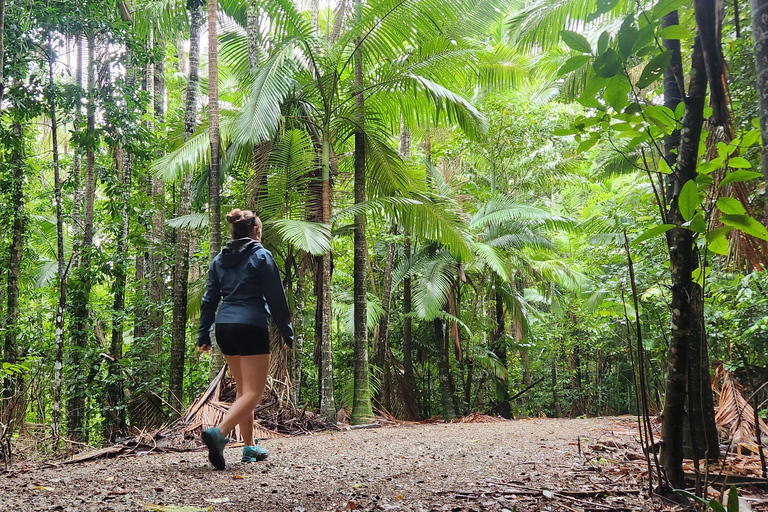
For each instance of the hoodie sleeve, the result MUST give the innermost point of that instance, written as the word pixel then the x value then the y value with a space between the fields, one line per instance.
pixel 208 308
pixel 274 294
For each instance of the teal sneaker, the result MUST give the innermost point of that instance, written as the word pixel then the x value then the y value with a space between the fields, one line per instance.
pixel 215 441
pixel 254 453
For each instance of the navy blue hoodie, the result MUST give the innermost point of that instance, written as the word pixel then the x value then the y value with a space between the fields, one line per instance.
pixel 245 278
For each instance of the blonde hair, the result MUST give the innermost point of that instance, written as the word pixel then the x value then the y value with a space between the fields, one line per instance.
pixel 242 222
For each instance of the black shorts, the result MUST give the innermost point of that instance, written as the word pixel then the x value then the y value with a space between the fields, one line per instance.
pixel 242 339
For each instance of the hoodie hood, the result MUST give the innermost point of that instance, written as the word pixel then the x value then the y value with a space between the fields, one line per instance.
pixel 236 251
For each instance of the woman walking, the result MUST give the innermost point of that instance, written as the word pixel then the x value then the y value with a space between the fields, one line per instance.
pixel 245 278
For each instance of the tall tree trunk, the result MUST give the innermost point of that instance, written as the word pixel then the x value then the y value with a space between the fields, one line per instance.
pixel 444 372
pixel 760 37
pixel 157 270
pixel 82 289
pixel 58 363
pixel 16 253
pixel 361 402
pixel 315 16
pixel 214 187
pixel 77 170
pixel 682 264
pixel 327 401
pixel 181 257
pixel 404 148
pixel 115 422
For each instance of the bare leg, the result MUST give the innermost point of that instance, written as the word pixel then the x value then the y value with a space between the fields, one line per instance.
pixel 253 371
pixel 246 425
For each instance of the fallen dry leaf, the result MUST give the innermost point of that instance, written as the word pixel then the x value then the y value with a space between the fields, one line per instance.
pixel 43 488
pixel 216 500
pixel 399 497
pixel 237 477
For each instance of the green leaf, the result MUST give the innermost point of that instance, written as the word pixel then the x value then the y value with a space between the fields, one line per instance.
pixel 563 132
pixel 663 7
pixel 715 505
pixel 688 200
pixel 585 145
pixel 752 137
pixel 675 32
pixel 698 224
pixel 716 233
pixel 719 246
pixel 739 176
pixel 708 167
pixel 652 232
pixel 730 206
pixel 698 276
pixel 608 64
pixel 573 64
pixel 654 69
pixel 602 7
pixel 747 224
pixel 733 499
pixel 664 167
pixel 627 37
pixel 602 42
pixel 575 41
pixel 617 92
pixel 739 162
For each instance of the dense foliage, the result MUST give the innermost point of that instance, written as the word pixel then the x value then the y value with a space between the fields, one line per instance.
pixel 511 169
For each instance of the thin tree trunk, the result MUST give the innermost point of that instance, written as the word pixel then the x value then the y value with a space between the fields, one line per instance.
pixel 327 401
pixel 680 243
pixel 157 270
pixel 361 402
pixel 77 171
pixel 448 406
pixel 315 16
pixel 382 341
pixel 760 37
pixel 181 257
pixel 214 187
pixel 61 266
pixel 81 292
pixel 404 148
pixel 14 258
pixel 500 349
pixel 298 334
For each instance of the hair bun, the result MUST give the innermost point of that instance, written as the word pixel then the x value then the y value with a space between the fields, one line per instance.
pixel 235 216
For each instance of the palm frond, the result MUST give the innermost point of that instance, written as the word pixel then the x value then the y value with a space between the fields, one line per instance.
pixel 310 237
pixel 190 221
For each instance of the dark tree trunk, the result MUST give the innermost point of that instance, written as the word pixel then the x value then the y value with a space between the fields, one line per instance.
pixel 382 341
pixel 448 407
pixel 500 349
pixel 10 350
pixel 760 37
pixel 682 263
pixel 82 289
pixel 181 257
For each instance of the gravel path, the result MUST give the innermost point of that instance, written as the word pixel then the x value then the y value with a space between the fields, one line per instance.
pixel 535 464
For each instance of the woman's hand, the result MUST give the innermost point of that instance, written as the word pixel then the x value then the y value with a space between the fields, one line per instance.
pixel 203 349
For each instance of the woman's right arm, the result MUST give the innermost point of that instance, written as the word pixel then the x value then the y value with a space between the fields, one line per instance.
pixel 208 308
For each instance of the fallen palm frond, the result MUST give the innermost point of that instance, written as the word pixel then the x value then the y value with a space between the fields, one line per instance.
pixel 734 413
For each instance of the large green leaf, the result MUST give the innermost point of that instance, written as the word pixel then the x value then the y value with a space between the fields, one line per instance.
pixel 575 41
pixel 689 200
pixel 307 236
pixel 747 224
pixel 739 176
pixel 652 232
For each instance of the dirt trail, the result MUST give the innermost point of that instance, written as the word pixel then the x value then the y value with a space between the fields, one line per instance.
pixel 477 466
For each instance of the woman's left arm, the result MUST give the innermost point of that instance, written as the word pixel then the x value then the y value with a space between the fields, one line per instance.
pixel 274 293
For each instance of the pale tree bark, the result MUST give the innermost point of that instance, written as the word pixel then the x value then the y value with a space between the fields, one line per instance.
pixel 760 38
pixel 404 148
pixel 315 16
pixel 327 401
pixel 157 266
pixel 181 257
pixel 381 339
pixel 77 170
pixel 500 349
pixel 361 403
pixel 448 406
pixel 81 293
pixel 214 188
pixel 298 333
pixel 253 36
